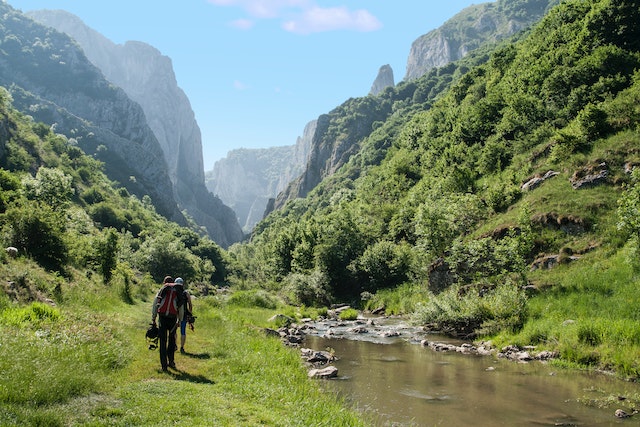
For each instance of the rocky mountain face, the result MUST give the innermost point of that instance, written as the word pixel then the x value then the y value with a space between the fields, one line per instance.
pixel 147 77
pixel 471 28
pixel 246 179
pixel 50 79
pixel 383 80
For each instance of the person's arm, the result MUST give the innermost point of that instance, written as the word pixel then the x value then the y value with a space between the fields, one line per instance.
pixel 180 313
pixel 154 308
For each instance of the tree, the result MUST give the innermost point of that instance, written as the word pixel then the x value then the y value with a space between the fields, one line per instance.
pixel 51 186
pixel 37 230
pixel 106 251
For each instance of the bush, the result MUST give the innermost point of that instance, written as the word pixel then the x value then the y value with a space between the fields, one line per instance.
pixel 349 314
pixel 482 311
pixel 252 298
pixel 37 230
pixel 308 289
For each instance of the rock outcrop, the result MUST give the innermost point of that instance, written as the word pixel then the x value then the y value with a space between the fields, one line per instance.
pixel 383 80
pixel 246 179
pixel 148 78
pixel 468 30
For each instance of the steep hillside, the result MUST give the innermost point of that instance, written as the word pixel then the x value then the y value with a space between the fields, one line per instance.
pixel 342 132
pixel 61 213
pixel 50 79
pixel 148 79
pixel 518 167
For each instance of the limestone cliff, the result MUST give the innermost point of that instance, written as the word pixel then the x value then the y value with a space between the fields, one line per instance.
pixel 247 178
pixel 148 78
pixel 383 80
pixel 471 28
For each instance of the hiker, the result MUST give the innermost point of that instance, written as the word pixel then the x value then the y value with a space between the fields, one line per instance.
pixel 168 306
pixel 187 318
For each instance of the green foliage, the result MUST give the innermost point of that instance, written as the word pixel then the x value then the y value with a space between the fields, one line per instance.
pixel 486 310
pixel 384 264
pixel 629 208
pixel 348 314
pixel 37 230
pixel 164 255
pixel 35 314
pixel 308 289
pixel 106 253
pixel 252 298
pixel 50 186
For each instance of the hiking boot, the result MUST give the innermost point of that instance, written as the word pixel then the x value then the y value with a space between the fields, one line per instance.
pixel 182 350
pixel 172 365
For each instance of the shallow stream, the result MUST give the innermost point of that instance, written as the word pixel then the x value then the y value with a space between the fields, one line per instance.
pixel 402 383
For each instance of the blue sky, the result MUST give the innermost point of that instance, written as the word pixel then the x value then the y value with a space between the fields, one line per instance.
pixel 257 71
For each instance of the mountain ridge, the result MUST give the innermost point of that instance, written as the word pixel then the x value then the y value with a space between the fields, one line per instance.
pixel 147 77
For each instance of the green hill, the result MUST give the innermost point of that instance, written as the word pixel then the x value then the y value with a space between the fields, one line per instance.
pixel 443 212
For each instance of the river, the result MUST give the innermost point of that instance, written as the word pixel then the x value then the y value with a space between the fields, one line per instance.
pixel 399 382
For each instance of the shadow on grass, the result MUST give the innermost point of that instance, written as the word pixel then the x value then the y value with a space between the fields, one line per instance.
pixel 197 355
pixel 185 376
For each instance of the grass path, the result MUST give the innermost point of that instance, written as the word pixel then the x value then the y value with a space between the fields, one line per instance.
pixel 232 375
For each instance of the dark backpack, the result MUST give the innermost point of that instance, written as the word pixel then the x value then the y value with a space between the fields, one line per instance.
pixel 171 299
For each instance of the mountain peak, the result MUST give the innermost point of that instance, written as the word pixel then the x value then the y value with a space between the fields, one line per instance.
pixel 383 80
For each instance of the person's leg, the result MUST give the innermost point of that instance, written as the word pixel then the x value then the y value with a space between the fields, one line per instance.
pixel 171 346
pixel 183 335
pixel 162 338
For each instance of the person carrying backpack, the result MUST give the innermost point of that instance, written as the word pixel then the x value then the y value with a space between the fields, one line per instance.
pixel 188 316
pixel 168 306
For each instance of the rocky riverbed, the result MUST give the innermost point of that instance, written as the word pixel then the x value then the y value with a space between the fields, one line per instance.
pixel 385 330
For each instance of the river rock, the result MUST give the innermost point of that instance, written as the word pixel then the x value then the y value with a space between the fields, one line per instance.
pixel 316 357
pixel 328 372
pixel 620 413
pixel 515 353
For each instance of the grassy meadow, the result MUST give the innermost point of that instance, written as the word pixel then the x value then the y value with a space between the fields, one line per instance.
pixel 85 361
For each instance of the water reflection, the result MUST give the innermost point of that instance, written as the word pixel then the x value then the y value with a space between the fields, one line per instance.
pixel 405 384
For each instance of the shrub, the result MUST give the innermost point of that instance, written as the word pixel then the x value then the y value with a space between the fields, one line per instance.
pixel 308 289
pixel 483 311
pixel 252 298
pixel 349 314
pixel 37 230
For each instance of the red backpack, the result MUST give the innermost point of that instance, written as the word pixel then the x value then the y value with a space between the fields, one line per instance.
pixel 169 300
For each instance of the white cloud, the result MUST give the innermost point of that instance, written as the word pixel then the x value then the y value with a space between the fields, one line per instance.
pixel 303 16
pixel 242 24
pixel 238 85
pixel 317 20
pixel 264 8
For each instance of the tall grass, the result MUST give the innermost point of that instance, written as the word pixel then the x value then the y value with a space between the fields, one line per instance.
pixel 590 315
pixel 503 307
pixel 400 300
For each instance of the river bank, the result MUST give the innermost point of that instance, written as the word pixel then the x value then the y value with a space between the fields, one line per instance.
pixel 407 376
